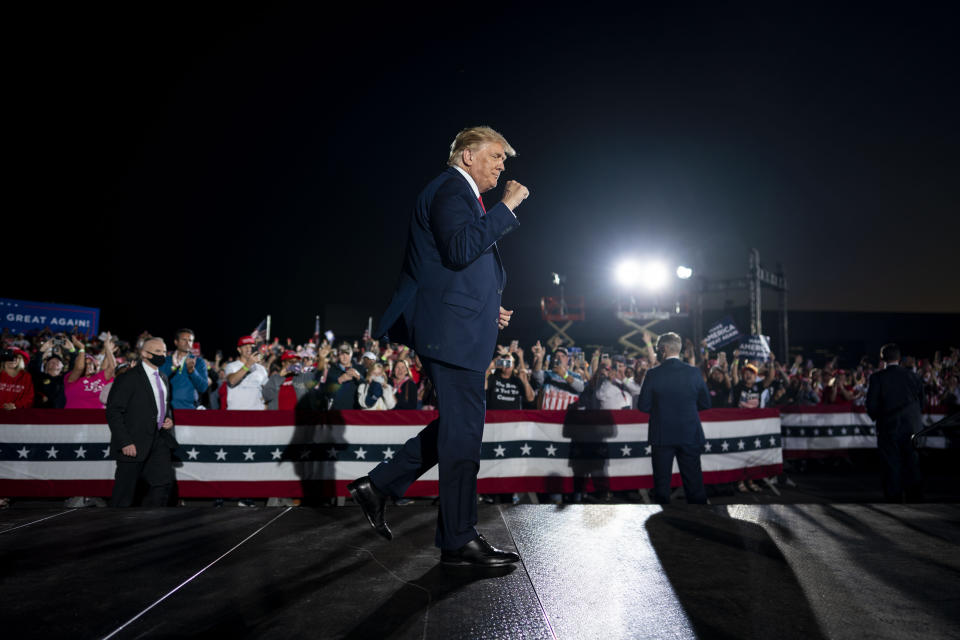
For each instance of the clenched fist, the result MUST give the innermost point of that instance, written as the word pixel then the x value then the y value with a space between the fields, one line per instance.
pixel 503 321
pixel 514 193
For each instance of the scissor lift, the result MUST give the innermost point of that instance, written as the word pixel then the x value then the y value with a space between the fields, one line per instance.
pixel 556 311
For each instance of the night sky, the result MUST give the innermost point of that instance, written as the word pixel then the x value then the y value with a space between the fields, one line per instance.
pixel 267 161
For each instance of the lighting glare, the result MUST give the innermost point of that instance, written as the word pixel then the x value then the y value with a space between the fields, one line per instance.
pixel 684 272
pixel 652 275
pixel 628 273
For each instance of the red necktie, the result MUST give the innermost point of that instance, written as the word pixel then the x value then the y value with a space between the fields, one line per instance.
pixel 480 198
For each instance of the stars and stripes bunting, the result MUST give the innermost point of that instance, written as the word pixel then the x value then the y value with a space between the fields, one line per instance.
pixel 835 428
pixel 278 453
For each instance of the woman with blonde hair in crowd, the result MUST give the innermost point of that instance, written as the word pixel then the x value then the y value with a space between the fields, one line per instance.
pixel 375 392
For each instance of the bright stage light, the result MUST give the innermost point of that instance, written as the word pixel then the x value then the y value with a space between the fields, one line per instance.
pixel 652 275
pixel 628 273
pixel 684 272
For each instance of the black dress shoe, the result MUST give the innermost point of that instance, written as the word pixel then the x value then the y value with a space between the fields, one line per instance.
pixel 478 552
pixel 372 502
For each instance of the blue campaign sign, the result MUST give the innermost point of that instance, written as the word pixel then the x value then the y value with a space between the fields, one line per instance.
pixel 724 332
pixel 23 316
pixel 755 348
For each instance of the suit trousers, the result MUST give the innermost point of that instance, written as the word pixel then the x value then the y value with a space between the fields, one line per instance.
pixel 901 469
pixel 688 461
pixel 156 469
pixel 452 442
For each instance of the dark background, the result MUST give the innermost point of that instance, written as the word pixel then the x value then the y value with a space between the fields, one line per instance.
pixel 205 167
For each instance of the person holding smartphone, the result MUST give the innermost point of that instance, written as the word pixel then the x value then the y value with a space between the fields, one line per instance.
pixel 507 383
pixel 187 372
pixel 246 377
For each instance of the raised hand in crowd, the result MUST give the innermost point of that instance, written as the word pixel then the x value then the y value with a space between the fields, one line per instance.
pixel 109 365
pixel 722 361
pixel 537 351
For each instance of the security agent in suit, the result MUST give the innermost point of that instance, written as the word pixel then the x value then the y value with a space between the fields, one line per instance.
pixel 895 402
pixel 447 307
pixel 672 394
pixel 140 416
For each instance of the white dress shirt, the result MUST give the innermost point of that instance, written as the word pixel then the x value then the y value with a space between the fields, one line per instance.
pixel 159 392
pixel 473 185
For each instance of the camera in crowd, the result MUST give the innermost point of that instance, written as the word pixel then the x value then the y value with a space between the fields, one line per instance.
pixel 7 355
pixel 503 363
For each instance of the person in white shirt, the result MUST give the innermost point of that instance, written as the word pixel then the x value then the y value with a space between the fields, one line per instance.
pixel 246 377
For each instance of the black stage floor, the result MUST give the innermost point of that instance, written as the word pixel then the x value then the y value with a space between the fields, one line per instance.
pixel 588 571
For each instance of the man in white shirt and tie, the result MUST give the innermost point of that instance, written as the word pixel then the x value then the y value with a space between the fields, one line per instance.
pixel 141 429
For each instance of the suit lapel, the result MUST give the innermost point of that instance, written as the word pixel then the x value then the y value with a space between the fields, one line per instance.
pixel 477 214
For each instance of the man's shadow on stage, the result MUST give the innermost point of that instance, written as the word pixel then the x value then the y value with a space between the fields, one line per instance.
pixel 407 606
pixel 588 455
pixel 729 575
pixel 314 449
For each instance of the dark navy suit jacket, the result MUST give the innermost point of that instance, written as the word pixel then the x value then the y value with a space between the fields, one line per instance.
pixel 672 394
pixel 895 400
pixel 447 302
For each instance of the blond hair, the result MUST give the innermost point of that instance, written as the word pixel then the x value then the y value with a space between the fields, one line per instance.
pixel 474 137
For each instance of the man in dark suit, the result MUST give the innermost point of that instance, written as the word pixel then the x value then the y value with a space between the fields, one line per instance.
pixel 447 307
pixel 895 402
pixel 140 416
pixel 672 394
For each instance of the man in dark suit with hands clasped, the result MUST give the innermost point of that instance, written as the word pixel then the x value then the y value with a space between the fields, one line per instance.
pixel 895 401
pixel 447 307
pixel 673 393
pixel 140 416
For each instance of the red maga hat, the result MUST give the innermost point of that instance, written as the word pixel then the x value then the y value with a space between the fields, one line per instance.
pixel 289 355
pixel 246 340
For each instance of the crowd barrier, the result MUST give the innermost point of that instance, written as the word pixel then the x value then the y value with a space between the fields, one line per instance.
pixel 257 454
pixel 831 429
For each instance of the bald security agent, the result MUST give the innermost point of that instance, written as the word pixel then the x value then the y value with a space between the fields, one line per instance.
pixel 140 416
pixel 673 393
pixel 447 308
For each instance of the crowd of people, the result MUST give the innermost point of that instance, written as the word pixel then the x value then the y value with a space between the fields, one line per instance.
pixel 60 370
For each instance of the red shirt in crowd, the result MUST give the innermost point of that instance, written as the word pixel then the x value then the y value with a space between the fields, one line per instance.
pixel 17 390
pixel 287 397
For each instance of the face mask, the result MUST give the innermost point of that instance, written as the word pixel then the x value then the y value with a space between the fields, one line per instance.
pixel 156 360
pixel 378 379
pixel 294 368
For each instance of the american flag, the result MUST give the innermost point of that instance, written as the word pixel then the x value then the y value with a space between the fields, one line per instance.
pixel 260 333
pixel 556 399
pixel 366 332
